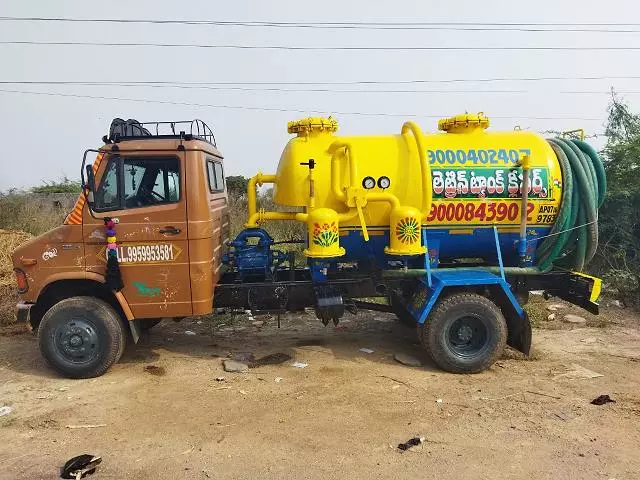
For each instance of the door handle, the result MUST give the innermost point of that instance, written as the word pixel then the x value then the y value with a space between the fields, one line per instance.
pixel 170 230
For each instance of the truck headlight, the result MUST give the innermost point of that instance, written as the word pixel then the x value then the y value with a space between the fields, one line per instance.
pixel 21 280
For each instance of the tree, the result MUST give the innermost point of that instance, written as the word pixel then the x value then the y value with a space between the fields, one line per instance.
pixel 619 217
pixel 237 185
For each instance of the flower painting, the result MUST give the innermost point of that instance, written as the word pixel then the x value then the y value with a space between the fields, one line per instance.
pixel 325 234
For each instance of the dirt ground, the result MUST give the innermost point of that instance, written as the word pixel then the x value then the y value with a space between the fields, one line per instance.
pixel 340 417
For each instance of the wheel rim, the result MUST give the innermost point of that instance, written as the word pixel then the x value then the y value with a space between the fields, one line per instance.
pixel 467 336
pixel 77 341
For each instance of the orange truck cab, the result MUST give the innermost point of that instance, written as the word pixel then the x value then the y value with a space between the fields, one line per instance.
pixel 165 194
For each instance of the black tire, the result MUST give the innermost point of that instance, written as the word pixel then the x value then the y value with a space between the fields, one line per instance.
pixel 465 333
pixel 147 324
pixel 81 337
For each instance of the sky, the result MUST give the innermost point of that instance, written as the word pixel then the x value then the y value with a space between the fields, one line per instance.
pixel 44 136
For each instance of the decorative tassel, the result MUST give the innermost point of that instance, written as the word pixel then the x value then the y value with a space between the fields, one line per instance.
pixel 113 277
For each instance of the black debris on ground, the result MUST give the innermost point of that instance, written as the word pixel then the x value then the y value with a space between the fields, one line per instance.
pixel 80 466
pixel 602 399
pixel 412 442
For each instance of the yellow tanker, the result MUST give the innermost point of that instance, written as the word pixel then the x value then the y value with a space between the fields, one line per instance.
pixel 459 182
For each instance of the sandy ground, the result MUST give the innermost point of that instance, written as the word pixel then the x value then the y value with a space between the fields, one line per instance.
pixel 340 417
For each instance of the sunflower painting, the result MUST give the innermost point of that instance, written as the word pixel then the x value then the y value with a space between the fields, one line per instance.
pixel 419 299
pixel 326 234
pixel 408 230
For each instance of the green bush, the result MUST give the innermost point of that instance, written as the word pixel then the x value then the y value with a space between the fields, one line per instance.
pixel 618 259
pixel 64 185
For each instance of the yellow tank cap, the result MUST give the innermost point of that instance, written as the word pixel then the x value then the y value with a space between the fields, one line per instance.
pixel 313 124
pixel 463 122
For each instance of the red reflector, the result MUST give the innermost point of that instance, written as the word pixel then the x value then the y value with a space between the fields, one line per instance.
pixel 21 280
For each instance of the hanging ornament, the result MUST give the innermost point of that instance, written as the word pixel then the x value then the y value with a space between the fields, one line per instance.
pixel 113 278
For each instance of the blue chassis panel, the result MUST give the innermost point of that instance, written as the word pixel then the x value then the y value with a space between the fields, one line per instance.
pixel 424 300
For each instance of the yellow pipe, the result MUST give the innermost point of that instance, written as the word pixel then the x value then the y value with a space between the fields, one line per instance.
pixel 257 180
pixel 336 179
pixel 425 168
pixel 263 216
pixel 259 217
pixel 383 197
pixel 375 197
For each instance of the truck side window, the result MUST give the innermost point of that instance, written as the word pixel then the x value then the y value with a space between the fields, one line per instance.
pixel 219 175
pixel 144 181
pixel 107 196
pixel 216 176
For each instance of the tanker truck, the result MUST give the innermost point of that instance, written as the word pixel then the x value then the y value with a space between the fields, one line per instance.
pixel 449 231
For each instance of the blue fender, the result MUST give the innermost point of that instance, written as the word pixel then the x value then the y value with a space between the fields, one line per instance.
pixel 425 297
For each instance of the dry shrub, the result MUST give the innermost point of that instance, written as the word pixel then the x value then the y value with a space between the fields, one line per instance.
pixel 30 213
pixel 22 214
pixel 9 241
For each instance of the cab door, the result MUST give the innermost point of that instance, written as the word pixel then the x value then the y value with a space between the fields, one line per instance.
pixel 145 195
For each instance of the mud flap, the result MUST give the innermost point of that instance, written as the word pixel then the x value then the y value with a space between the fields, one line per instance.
pixel 135 330
pixel 519 336
pixel 518 324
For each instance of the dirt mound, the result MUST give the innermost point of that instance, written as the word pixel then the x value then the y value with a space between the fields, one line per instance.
pixel 9 241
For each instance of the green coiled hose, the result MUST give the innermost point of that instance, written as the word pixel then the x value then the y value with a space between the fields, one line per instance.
pixel 573 239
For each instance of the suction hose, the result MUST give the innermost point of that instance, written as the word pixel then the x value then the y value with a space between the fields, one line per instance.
pixel 573 240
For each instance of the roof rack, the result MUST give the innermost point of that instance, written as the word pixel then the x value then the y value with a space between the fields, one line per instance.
pixel 182 129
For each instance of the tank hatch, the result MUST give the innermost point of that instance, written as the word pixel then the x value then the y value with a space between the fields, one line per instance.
pixel 312 125
pixel 464 123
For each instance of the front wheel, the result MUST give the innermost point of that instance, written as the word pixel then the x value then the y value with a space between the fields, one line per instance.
pixel 81 337
pixel 466 333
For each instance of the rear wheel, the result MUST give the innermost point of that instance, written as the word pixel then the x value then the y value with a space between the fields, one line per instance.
pixel 81 337
pixel 466 333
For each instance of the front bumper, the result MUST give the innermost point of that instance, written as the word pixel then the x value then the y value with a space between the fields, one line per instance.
pixel 23 313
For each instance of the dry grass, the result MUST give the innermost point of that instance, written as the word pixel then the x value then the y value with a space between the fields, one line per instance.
pixel 25 212
pixel 22 215
pixel 9 241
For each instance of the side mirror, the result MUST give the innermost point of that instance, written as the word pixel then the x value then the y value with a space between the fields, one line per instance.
pixel 91 186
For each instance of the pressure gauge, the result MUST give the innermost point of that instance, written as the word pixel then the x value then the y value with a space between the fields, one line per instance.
pixel 384 182
pixel 368 182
